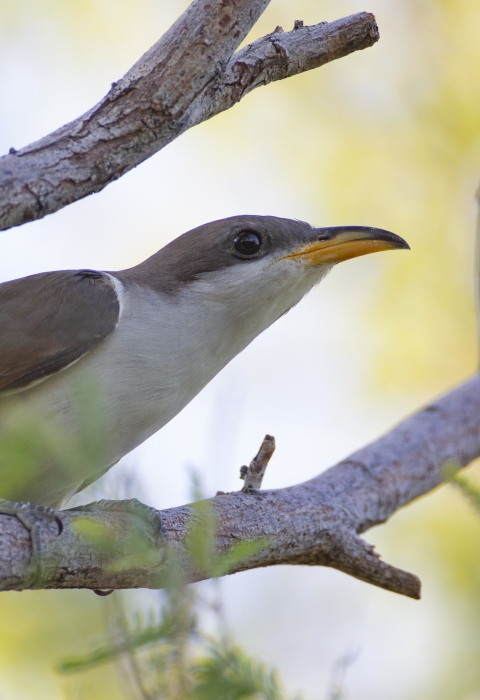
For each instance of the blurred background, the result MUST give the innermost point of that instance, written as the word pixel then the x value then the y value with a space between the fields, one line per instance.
pixel 388 137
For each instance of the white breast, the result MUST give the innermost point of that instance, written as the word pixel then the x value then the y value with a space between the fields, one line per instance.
pixel 164 351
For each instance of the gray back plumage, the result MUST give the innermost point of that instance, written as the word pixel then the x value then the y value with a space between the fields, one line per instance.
pixel 49 320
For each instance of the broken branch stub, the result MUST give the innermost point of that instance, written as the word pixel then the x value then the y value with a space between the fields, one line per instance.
pixel 253 475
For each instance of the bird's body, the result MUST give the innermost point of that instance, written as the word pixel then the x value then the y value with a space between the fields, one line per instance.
pixel 93 363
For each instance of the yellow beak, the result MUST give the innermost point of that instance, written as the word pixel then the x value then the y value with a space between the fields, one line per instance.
pixel 339 243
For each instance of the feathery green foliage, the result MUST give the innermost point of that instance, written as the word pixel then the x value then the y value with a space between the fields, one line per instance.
pixel 226 672
pixel 173 658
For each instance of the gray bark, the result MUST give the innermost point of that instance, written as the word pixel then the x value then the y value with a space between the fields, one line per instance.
pixel 314 523
pixel 190 75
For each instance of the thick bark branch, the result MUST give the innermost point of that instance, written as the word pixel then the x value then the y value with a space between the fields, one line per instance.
pixel 190 75
pixel 315 523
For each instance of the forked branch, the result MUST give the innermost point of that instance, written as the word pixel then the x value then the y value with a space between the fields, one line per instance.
pixel 190 75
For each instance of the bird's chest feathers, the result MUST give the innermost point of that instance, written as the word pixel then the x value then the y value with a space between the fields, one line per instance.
pixel 166 349
pixel 163 352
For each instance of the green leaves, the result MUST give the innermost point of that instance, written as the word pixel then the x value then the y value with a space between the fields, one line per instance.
pixel 32 444
pixel 200 544
pixel 129 549
pixel 227 673
pixel 143 636
pixel 224 672
pixel 173 658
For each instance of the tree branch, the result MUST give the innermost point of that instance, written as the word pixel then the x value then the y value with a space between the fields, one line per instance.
pixel 314 523
pixel 254 473
pixel 190 75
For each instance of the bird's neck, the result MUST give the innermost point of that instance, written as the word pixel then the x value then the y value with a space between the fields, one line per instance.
pixel 188 337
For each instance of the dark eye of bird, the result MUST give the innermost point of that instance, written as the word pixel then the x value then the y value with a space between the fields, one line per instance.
pixel 247 243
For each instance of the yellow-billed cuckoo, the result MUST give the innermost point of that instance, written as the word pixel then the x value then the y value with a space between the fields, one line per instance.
pixel 93 363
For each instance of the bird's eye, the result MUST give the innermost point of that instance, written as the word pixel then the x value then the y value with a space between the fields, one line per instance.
pixel 247 243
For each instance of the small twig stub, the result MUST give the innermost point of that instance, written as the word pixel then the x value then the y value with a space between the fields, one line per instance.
pixel 253 475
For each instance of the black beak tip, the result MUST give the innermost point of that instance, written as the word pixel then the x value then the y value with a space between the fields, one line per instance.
pixel 399 242
pixel 369 231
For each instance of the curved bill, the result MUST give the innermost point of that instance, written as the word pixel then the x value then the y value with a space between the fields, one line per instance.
pixel 338 243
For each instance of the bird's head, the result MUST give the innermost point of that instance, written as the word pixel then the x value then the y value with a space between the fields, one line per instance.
pixel 255 268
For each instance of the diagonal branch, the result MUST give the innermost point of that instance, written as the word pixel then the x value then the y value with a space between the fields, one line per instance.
pixel 190 75
pixel 314 523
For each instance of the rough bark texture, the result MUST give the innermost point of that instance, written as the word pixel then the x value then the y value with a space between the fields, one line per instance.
pixel 190 75
pixel 253 474
pixel 315 523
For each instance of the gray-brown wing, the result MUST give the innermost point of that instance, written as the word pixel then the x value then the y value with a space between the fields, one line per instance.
pixel 49 320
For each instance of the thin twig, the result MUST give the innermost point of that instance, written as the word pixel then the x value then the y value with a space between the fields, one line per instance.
pixel 253 474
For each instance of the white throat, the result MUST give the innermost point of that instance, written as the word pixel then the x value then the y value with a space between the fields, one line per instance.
pixel 165 349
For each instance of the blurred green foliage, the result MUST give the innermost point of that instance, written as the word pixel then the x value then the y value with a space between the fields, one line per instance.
pixel 182 662
pixel 228 673
pixel 31 445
